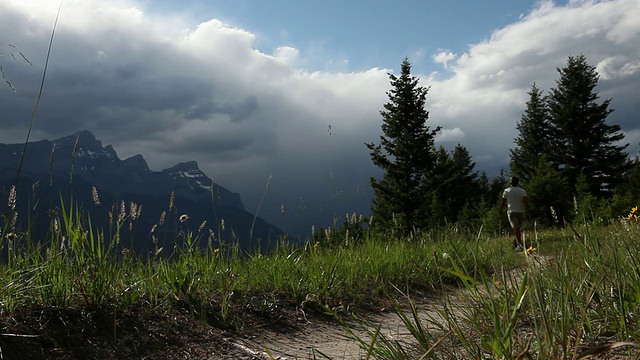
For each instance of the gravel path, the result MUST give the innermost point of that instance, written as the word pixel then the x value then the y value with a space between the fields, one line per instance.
pixel 321 336
pixel 318 337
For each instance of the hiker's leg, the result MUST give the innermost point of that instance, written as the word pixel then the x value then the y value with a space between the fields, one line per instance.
pixel 516 218
pixel 518 232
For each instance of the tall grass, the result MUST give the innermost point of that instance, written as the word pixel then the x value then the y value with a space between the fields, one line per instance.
pixel 576 297
pixel 78 265
pixel 40 92
pixel 574 293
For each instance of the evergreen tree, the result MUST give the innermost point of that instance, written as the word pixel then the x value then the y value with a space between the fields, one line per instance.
pixel 583 143
pixel 456 181
pixel 406 153
pixel 548 190
pixel 492 218
pixel 533 138
pixel 631 183
pixel 497 186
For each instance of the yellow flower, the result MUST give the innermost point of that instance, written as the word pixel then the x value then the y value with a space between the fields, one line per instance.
pixel 498 283
pixel 531 249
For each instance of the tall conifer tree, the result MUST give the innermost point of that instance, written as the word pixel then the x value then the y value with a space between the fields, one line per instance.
pixel 583 142
pixel 406 153
pixel 533 138
pixel 456 182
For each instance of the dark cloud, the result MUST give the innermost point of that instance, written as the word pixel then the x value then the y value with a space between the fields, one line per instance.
pixel 236 112
pixel 175 92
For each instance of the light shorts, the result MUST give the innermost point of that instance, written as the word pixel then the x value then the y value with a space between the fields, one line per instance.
pixel 515 219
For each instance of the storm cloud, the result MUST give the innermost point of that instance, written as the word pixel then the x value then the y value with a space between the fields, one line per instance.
pixel 176 91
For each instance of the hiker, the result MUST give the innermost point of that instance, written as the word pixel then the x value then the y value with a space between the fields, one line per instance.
pixel 517 202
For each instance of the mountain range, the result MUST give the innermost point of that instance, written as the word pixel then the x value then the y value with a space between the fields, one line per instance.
pixel 78 171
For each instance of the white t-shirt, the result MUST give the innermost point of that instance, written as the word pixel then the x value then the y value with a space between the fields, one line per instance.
pixel 514 196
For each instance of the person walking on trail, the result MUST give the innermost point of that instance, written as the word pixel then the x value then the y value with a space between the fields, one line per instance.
pixel 517 203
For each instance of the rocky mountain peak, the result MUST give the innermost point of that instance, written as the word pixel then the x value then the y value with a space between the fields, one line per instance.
pixel 85 145
pixel 137 162
pixel 95 166
pixel 187 166
pixel 84 138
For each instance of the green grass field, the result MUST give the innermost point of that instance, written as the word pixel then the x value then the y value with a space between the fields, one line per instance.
pixel 574 293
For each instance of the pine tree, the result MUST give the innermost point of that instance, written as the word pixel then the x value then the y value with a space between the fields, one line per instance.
pixel 493 219
pixel 583 143
pixel 491 190
pixel 455 181
pixel 547 190
pixel 631 183
pixel 533 138
pixel 466 186
pixel 405 153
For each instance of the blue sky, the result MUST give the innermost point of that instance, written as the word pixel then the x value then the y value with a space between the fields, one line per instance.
pixel 357 35
pixel 249 90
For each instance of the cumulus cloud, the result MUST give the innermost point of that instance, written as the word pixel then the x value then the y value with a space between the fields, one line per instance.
pixel 450 136
pixel 486 94
pixel 617 67
pixel 443 57
pixel 175 91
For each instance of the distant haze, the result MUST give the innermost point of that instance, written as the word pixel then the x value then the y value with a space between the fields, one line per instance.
pixel 175 85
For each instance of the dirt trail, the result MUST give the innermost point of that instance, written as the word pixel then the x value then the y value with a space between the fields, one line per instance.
pixel 329 337
pixel 323 336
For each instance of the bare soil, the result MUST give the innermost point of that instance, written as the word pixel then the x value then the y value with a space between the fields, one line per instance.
pixel 144 332
pixel 324 337
pixel 280 331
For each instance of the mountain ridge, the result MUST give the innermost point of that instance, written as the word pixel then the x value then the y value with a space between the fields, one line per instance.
pixel 76 164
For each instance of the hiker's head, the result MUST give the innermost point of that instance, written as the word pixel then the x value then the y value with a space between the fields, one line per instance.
pixel 515 181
